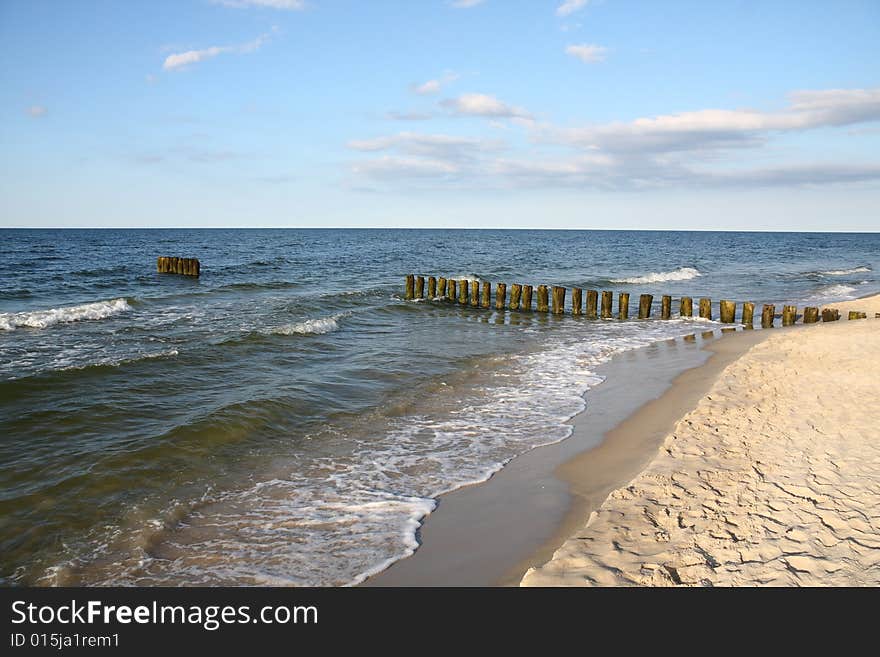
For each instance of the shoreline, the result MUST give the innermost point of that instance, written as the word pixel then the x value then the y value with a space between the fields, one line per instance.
pixel 632 444
pixel 488 534
pixel 740 496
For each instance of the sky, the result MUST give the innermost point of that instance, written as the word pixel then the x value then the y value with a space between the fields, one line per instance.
pixel 441 113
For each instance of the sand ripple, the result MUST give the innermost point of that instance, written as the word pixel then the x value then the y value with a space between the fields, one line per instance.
pixel 774 479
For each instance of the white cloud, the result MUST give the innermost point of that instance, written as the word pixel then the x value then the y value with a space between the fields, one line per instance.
pixel 37 111
pixel 181 60
pixel 436 146
pixel 466 4
pixel 394 168
pixel 570 6
pixel 713 129
pixel 484 105
pixel 701 148
pixel 587 53
pixel 433 86
pixel 271 4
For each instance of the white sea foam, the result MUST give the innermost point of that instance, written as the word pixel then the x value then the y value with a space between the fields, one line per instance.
pixel 680 274
pixel 833 293
pixel 44 318
pixel 845 272
pixel 341 516
pixel 317 326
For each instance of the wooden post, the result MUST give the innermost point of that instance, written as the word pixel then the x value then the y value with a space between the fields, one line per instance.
pixel 159 264
pixel 475 293
pixel 645 301
pixel 666 307
pixel 410 287
pixel 623 305
pixel 487 294
pixel 789 315
pixel 686 307
pixel 828 314
pixel 198 268
pixel 432 287
pixel 558 300
pixel 577 301
pixel 452 290
pixel 767 315
pixel 706 308
pixel 441 287
pixel 543 299
pixel 728 311
pixel 420 287
pixel 748 317
pixel 592 304
pixel 526 298
pixel 811 315
pixel 500 294
pixel 463 292
pixel 854 314
pixel 515 294
pixel 607 296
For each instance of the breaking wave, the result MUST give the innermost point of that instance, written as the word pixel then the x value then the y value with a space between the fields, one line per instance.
pixel 45 318
pixel 680 274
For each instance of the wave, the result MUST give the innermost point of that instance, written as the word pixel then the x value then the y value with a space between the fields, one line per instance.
pixel 844 272
pixel 317 326
pixel 680 274
pixel 833 293
pixel 45 318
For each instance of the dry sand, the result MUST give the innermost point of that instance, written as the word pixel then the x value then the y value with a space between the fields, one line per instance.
pixel 773 479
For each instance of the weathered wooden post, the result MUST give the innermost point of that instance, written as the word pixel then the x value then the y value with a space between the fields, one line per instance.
pixel 854 314
pixel 515 295
pixel 811 315
pixel 463 292
pixel 410 287
pixel 441 287
pixel 577 301
pixel 452 290
pixel 500 295
pixel 623 305
pixel 645 301
pixel 432 287
pixel 607 297
pixel 526 298
pixel 748 317
pixel 827 315
pixel 475 293
pixel 666 307
pixel 558 300
pixel 767 315
pixel 592 304
pixel 789 315
pixel 686 307
pixel 487 294
pixel 728 311
pixel 420 287
pixel 543 299
pixel 159 264
pixel 706 308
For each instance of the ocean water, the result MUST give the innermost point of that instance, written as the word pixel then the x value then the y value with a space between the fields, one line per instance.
pixel 288 418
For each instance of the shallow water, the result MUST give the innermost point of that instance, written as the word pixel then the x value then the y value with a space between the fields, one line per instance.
pixel 287 418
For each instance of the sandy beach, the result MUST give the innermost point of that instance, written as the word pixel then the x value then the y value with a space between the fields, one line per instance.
pixel 772 479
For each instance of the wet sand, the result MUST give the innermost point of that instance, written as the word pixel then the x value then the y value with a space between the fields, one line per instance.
pixel 772 478
pixel 491 533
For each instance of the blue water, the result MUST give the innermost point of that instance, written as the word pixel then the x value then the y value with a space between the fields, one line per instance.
pixel 288 418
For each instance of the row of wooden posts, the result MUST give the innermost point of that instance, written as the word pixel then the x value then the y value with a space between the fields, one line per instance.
pixel 552 299
pixel 183 266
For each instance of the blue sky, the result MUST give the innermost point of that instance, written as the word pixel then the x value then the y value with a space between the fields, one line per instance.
pixel 437 113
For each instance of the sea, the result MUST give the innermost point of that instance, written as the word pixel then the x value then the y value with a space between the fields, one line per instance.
pixel 289 418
